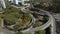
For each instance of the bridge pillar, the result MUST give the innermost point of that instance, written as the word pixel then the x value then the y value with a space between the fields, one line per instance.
pixel 53 28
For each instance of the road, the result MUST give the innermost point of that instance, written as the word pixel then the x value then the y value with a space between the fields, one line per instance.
pixel 53 28
pixel 53 24
pixel 49 22
pixel 0 12
pixel 5 31
pixel 52 21
pixel 41 27
pixel 22 8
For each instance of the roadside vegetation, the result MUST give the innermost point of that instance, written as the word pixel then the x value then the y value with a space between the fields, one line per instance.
pixel 22 32
pixel 40 32
pixel 40 19
pixel 37 23
pixel 52 7
pixel 18 33
pixel 15 18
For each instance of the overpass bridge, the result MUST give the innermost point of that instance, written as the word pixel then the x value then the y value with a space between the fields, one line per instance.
pixel 51 22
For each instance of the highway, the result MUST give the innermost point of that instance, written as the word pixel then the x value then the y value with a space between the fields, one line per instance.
pixel 43 26
pixel 53 28
pixel 47 24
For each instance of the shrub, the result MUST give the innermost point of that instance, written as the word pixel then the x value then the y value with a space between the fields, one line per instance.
pixel 41 32
pixel 18 33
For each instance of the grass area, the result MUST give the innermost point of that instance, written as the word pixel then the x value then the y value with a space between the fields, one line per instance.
pixel 41 32
pixel 18 33
pixel 15 17
pixel 40 21
pixel 37 23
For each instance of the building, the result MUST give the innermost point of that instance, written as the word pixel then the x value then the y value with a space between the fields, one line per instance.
pixel 23 2
pixel 3 3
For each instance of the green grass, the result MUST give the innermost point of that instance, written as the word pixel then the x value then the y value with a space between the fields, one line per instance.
pixel 18 33
pixel 16 17
pixel 37 23
pixel 41 32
